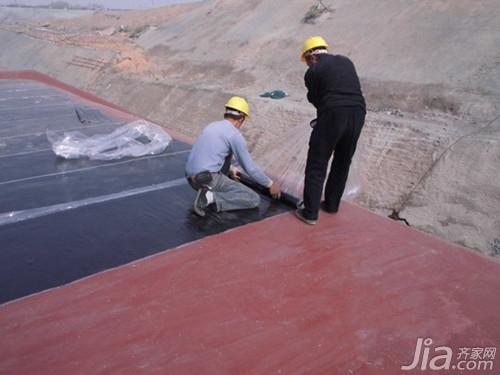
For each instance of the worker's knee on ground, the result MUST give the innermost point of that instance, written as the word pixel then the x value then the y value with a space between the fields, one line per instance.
pixel 240 197
pixel 254 199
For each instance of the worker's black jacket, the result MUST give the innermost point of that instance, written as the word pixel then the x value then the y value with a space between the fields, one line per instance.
pixel 333 83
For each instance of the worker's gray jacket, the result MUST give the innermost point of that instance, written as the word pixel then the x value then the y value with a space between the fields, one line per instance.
pixel 217 141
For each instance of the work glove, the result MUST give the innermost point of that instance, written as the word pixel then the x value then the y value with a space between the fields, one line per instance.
pixel 313 123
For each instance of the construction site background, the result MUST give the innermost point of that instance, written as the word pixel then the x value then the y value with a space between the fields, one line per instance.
pixel 430 151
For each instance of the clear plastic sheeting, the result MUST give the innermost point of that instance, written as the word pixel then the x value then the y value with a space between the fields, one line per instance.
pixel 286 163
pixel 17 216
pixel 134 139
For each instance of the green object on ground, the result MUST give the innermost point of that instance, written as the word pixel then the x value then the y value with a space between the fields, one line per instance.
pixel 275 94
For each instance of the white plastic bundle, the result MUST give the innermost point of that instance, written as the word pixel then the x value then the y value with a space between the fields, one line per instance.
pixel 134 139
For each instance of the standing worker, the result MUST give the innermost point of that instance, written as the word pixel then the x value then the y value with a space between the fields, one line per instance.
pixel 209 164
pixel 334 89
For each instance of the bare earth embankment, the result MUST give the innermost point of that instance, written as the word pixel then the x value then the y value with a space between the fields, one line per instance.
pixel 430 151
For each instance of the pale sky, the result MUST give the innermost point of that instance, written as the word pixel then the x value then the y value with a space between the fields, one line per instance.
pixel 120 4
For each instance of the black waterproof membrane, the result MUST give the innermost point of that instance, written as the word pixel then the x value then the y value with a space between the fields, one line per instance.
pixel 61 220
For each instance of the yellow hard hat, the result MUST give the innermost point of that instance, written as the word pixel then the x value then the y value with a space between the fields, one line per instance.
pixel 239 104
pixel 311 43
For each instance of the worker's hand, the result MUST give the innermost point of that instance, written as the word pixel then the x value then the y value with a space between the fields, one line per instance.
pixel 234 173
pixel 275 191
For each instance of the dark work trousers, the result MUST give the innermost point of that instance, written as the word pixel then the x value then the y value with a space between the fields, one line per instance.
pixel 336 130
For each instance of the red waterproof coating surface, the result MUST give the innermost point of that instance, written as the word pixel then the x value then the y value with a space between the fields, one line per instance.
pixel 349 295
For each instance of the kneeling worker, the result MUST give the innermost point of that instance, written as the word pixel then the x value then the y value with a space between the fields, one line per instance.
pixel 209 164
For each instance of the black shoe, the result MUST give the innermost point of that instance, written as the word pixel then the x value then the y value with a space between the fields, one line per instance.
pixel 300 215
pixel 325 208
pixel 200 202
